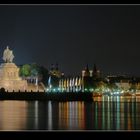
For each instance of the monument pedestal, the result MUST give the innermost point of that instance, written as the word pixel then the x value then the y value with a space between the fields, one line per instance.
pixel 9 78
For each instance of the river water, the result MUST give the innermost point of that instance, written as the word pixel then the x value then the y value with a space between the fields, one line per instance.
pixel 104 113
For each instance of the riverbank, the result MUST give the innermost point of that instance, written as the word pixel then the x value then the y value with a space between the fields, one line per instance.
pixel 80 96
pixel 71 96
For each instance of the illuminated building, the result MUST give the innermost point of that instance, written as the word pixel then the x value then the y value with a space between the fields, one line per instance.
pixel 83 83
pixel 55 71
pixel 54 78
pixel 87 79
pixel 96 72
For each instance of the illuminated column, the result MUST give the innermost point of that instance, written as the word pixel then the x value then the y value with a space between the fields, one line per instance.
pixel 60 85
pixel 70 85
pixel 91 73
pixel 36 81
pixel 82 80
pixel 73 84
pixel 76 84
pixel 67 85
pixel 49 83
pixel 83 73
pixel 79 83
pixel 82 84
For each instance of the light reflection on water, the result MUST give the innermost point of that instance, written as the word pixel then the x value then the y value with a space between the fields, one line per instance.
pixel 13 115
pixel 104 113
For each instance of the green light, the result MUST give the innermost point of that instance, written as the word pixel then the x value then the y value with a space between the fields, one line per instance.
pixel 91 89
pixel 58 89
pixel 85 89
pixel 47 89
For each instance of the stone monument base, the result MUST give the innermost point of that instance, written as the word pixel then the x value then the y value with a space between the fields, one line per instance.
pixel 9 78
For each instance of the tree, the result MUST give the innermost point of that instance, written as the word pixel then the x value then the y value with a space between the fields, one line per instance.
pixel 25 70
pixel 45 74
pixel 35 70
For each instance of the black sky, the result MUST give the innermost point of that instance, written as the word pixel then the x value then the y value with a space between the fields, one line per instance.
pixel 73 35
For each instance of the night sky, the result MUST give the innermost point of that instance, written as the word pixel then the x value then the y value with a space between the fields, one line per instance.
pixel 73 36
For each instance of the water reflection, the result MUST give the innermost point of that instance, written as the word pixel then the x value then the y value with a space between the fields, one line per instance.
pixel 13 115
pixel 71 115
pixel 49 115
pixel 104 113
pixel 36 114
